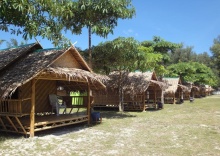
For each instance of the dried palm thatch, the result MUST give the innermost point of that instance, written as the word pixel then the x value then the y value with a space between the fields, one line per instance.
pixel 32 64
pixel 10 55
pixel 172 84
pixel 73 74
pixel 131 82
pixel 184 88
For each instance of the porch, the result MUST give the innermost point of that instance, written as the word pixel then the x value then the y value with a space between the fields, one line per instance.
pixel 21 124
pixel 15 115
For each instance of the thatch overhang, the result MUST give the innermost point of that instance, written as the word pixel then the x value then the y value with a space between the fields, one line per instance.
pixel 173 84
pixel 132 82
pixel 26 69
pixel 72 74
pixel 185 88
pixel 34 64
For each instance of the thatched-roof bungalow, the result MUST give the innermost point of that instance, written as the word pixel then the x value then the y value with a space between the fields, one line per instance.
pixel 175 91
pixel 29 74
pixel 138 91
pixel 205 90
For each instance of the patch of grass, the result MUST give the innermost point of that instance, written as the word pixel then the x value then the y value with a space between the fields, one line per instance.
pixel 179 129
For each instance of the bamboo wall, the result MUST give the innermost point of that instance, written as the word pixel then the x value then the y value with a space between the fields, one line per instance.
pixel 106 99
pixel 43 89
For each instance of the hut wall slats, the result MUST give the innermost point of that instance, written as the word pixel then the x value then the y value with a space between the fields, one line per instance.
pixel 106 99
pixel 43 89
pixel 25 92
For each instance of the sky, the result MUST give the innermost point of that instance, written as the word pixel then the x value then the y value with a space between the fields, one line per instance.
pixel 194 23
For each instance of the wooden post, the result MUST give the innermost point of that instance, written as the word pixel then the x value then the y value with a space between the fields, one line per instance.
pixel 89 104
pixel 155 96
pixel 144 108
pixel 32 116
pixel 162 96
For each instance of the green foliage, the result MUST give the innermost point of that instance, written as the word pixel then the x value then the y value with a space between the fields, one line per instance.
pixel 12 43
pixel 159 54
pixel 182 55
pixel 215 49
pixel 101 16
pixel 47 19
pixel 1 42
pixel 119 54
pixel 160 45
pixel 34 17
pixel 148 60
pixel 193 72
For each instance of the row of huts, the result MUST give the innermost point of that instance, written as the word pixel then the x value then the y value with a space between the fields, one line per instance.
pixel 31 75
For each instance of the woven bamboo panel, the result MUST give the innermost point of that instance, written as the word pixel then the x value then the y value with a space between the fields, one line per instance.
pixel 106 99
pixel 25 92
pixel 43 89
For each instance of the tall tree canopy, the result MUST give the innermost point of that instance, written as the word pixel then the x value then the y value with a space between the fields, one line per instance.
pixel 49 18
pixel 100 17
pixel 35 17
pixel 193 72
pixel 182 55
pixel 119 54
pixel 161 46
pixel 147 59
pixel 215 49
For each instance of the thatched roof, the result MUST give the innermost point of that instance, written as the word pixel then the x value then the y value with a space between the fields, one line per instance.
pixel 132 82
pixel 173 84
pixel 73 74
pixel 10 55
pixel 185 88
pixel 33 64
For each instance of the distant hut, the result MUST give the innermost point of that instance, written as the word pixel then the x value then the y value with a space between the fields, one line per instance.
pixel 136 91
pixel 29 74
pixel 175 91
pixel 205 90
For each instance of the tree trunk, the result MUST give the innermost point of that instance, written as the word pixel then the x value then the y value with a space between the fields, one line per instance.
pixel 90 48
pixel 120 93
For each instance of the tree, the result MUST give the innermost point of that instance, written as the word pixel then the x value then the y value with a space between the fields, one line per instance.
pixel 100 17
pixel 193 72
pixel 1 42
pixel 13 43
pixel 161 46
pixel 204 58
pixel 33 18
pixel 215 49
pixel 182 54
pixel 118 55
pixel 49 18
pixel 148 60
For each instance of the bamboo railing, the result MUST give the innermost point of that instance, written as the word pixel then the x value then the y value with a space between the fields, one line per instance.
pixel 12 106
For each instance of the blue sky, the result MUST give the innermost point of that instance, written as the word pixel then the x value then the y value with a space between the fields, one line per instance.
pixel 191 22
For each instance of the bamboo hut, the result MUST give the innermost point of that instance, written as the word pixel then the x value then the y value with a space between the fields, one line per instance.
pixel 136 91
pixel 205 90
pixel 195 92
pixel 175 91
pixel 29 74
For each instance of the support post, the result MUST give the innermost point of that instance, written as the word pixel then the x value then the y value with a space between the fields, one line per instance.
pixel 32 115
pixel 162 96
pixel 144 108
pixel 89 104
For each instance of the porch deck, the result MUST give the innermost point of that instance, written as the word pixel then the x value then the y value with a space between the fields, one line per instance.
pixel 18 124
